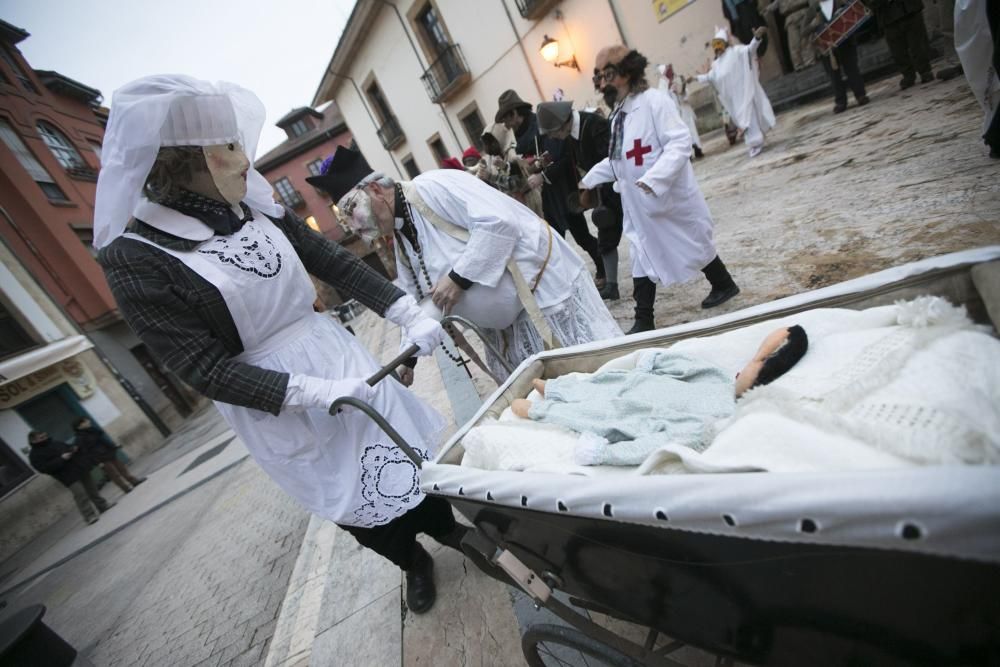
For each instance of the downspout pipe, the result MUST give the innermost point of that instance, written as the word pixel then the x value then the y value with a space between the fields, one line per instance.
pixel 416 53
pixel 524 52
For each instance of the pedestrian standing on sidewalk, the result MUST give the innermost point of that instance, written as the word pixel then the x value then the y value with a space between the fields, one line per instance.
pixel 96 445
pixel 902 23
pixel 667 221
pixel 842 61
pixel 213 276
pixel 71 468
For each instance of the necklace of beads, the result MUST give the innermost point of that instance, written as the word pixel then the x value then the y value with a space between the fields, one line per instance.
pixel 408 220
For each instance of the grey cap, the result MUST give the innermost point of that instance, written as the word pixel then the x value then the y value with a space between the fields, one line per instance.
pixel 553 115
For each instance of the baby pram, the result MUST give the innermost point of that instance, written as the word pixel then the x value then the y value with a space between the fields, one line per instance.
pixel 898 566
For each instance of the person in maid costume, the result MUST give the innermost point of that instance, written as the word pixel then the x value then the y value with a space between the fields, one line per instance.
pixel 475 252
pixel 213 276
pixel 667 221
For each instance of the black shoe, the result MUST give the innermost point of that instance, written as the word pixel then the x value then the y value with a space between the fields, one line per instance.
pixel 863 100
pixel 609 292
pixel 640 326
pixel 926 77
pixel 907 82
pixel 698 152
pixel 718 297
pixel 839 108
pixel 420 589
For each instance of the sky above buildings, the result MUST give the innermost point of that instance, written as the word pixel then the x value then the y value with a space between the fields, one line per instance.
pixel 276 48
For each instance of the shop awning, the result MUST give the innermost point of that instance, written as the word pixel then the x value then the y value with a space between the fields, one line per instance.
pixel 37 359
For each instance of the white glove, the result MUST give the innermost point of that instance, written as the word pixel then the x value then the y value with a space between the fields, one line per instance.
pixel 305 391
pixel 418 327
pixel 426 333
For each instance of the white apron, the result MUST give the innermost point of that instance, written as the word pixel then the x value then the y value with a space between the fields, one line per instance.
pixel 342 468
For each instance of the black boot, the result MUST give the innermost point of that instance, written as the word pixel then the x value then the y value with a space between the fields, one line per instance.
pixel 609 292
pixel 724 287
pixel 420 590
pixel 644 292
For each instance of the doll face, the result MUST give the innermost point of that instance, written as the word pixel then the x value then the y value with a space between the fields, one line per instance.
pixel 746 377
pixel 228 165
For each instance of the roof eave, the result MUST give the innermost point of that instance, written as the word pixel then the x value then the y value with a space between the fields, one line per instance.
pixel 363 15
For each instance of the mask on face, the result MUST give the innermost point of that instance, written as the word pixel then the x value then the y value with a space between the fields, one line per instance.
pixel 228 164
pixel 356 208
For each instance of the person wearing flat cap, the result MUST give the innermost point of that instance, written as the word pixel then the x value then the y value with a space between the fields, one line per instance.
pixel 667 221
pixel 473 251
pixel 213 276
pixel 586 136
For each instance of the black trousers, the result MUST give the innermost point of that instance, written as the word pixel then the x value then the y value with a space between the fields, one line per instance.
pixel 609 237
pixel 907 40
pixel 846 57
pixel 562 220
pixel 992 136
pixel 397 540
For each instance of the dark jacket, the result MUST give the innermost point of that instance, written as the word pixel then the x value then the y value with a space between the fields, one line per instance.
pixel 47 458
pixel 184 321
pixel 95 444
pixel 890 11
pixel 589 149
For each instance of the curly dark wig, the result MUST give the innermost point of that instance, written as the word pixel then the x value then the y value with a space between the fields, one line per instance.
pixel 633 67
pixel 174 168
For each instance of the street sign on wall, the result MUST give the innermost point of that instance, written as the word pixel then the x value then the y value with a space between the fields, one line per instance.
pixel 665 8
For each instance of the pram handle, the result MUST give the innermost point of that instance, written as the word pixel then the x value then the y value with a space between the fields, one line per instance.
pixel 391 366
pixel 501 359
pixel 374 415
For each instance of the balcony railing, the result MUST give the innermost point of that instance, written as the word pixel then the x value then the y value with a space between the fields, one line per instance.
pixel 82 173
pixel 534 9
pixel 446 75
pixel 391 134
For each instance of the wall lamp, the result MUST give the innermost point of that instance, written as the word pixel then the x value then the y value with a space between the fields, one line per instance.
pixel 550 53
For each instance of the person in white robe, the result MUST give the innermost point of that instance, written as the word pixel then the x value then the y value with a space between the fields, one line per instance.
pixel 976 46
pixel 667 221
pixel 735 75
pixel 213 276
pixel 475 252
pixel 676 87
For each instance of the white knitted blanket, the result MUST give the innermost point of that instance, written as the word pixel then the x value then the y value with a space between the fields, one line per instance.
pixel 895 386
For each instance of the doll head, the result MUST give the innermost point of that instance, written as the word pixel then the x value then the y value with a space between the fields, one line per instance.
pixel 781 350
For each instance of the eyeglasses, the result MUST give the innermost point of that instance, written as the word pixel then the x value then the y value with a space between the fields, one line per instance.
pixel 608 74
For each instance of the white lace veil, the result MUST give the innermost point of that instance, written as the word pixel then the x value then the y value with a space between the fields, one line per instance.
pixel 171 110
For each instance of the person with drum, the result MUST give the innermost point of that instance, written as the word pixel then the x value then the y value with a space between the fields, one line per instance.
pixel 842 60
pixel 667 221
pixel 474 252
pixel 213 277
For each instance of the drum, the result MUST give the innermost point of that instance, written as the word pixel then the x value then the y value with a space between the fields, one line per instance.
pixel 842 26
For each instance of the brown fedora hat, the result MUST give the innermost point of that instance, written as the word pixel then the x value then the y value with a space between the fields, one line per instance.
pixel 508 101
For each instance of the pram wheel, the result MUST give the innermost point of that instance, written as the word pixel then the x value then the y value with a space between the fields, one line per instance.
pixel 546 645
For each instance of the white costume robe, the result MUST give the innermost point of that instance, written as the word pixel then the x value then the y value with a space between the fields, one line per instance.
pixel 501 228
pixel 670 231
pixel 974 45
pixel 735 75
pixel 679 95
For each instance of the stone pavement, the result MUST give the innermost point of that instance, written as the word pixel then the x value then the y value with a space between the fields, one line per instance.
pixel 216 566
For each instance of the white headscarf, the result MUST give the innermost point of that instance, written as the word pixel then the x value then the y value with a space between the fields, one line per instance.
pixel 721 33
pixel 171 110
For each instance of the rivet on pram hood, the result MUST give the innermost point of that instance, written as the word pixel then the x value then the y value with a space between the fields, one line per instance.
pixel 661 515
pixel 728 518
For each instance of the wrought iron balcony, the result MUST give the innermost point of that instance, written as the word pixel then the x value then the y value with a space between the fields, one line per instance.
pixel 446 75
pixel 534 9
pixel 391 134
pixel 82 173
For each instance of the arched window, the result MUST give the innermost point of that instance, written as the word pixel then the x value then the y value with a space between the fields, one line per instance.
pixel 60 146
